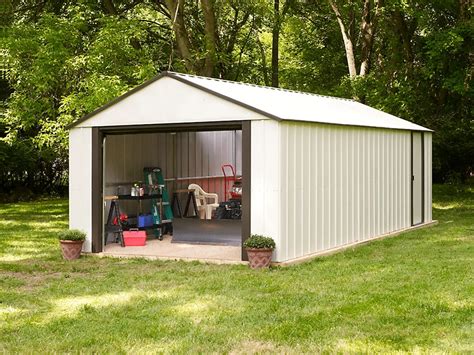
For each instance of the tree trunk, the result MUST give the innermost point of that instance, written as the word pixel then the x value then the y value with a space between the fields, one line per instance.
pixel 348 45
pixel 264 62
pixel 405 35
pixel 210 37
pixel 368 27
pixel 275 42
pixel 366 31
pixel 464 9
pixel 109 7
pixel 176 9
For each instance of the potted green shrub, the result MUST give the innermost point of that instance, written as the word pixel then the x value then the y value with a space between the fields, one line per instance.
pixel 71 241
pixel 259 250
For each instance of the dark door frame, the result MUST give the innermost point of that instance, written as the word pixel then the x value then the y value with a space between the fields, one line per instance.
pixel 98 134
pixel 413 177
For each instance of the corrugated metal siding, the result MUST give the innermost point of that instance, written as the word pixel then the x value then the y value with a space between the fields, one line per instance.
pixel 266 195
pixel 428 176
pixel 80 182
pixel 339 185
pixel 180 155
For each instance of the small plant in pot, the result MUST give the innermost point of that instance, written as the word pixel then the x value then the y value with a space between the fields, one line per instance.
pixel 71 241
pixel 259 250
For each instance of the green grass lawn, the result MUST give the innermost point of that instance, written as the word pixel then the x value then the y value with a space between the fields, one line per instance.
pixel 409 293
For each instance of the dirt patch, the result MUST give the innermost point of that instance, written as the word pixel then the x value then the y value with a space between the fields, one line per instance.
pixel 37 279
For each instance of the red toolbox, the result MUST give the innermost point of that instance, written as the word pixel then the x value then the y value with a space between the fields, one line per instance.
pixel 134 238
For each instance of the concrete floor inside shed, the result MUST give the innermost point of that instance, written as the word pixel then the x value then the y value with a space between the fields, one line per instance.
pixel 165 249
pixel 193 239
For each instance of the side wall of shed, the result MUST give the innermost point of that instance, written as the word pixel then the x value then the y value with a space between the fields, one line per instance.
pixel 340 185
pixel 265 181
pixel 80 182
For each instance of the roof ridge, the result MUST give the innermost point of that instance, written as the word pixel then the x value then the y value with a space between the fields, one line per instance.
pixel 171 73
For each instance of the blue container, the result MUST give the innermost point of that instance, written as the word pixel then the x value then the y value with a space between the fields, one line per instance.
pixel 145 220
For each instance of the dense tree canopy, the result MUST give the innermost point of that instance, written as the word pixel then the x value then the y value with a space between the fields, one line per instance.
pixel 62 59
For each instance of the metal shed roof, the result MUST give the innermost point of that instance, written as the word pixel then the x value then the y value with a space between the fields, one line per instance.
pixel 281 104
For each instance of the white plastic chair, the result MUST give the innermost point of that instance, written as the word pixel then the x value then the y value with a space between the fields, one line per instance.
pixel 204 207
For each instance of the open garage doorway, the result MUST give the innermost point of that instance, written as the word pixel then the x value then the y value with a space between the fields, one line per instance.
pixel 180 188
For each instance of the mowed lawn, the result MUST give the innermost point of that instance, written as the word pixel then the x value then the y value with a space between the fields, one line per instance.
pixel 409 293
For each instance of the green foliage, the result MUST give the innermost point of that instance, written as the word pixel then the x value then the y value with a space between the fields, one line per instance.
pixel 256 241
pixel 62 60
pixel 62 67
pixel 72 234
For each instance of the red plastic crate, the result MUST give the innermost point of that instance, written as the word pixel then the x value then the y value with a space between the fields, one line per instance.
pixel 134 238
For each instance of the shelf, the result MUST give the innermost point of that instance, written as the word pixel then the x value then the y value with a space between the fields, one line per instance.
pixel 155 226
pixel 132 198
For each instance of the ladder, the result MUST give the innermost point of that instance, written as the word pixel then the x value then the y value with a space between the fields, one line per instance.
pixel 160 206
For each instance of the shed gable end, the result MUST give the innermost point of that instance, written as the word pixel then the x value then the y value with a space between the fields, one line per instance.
pixel 168 101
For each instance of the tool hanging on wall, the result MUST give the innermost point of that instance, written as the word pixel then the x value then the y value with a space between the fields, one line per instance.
pixel 160 206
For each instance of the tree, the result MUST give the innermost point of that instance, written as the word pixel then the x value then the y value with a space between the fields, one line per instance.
pixel 66 58
pixel 217 27
pixel 371 11
pixel 278 17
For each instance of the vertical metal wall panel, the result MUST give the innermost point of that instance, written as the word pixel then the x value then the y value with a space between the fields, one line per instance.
pixel 366 183
pixel 383 164
pixel 338 204
pixel 332 191
pixel 395 181
pixel 428 183
pixel 238 151
pixel 327 168
pixel 313 176
pixel 418 178
pixel 191 148
pixel 266 196
pixel 281 252
pixel 80 182
pixel 408 187
pixel 378 144
pixel 389 182
pixel 320 186
pixel 291 213
pixel 354 188
pixel 340 185
pixel 306 181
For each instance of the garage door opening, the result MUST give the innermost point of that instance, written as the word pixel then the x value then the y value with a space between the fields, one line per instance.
pixel 180 188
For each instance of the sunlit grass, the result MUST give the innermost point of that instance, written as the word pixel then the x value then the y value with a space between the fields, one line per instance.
pixel 448 206
pixel 412 293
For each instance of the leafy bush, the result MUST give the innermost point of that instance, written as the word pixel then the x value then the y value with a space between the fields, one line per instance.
pixel 72 234
pixel 256 241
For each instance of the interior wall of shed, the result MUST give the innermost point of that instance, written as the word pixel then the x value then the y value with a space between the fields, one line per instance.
pixel 184 157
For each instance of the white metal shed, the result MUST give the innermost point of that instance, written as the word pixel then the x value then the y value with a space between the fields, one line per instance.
pixel 319 172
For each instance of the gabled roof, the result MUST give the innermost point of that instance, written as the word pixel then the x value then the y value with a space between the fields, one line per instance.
pixel 281 104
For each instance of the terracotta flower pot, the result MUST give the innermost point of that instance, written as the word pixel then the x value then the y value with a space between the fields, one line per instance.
pixel 71 249
pixel 259 258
